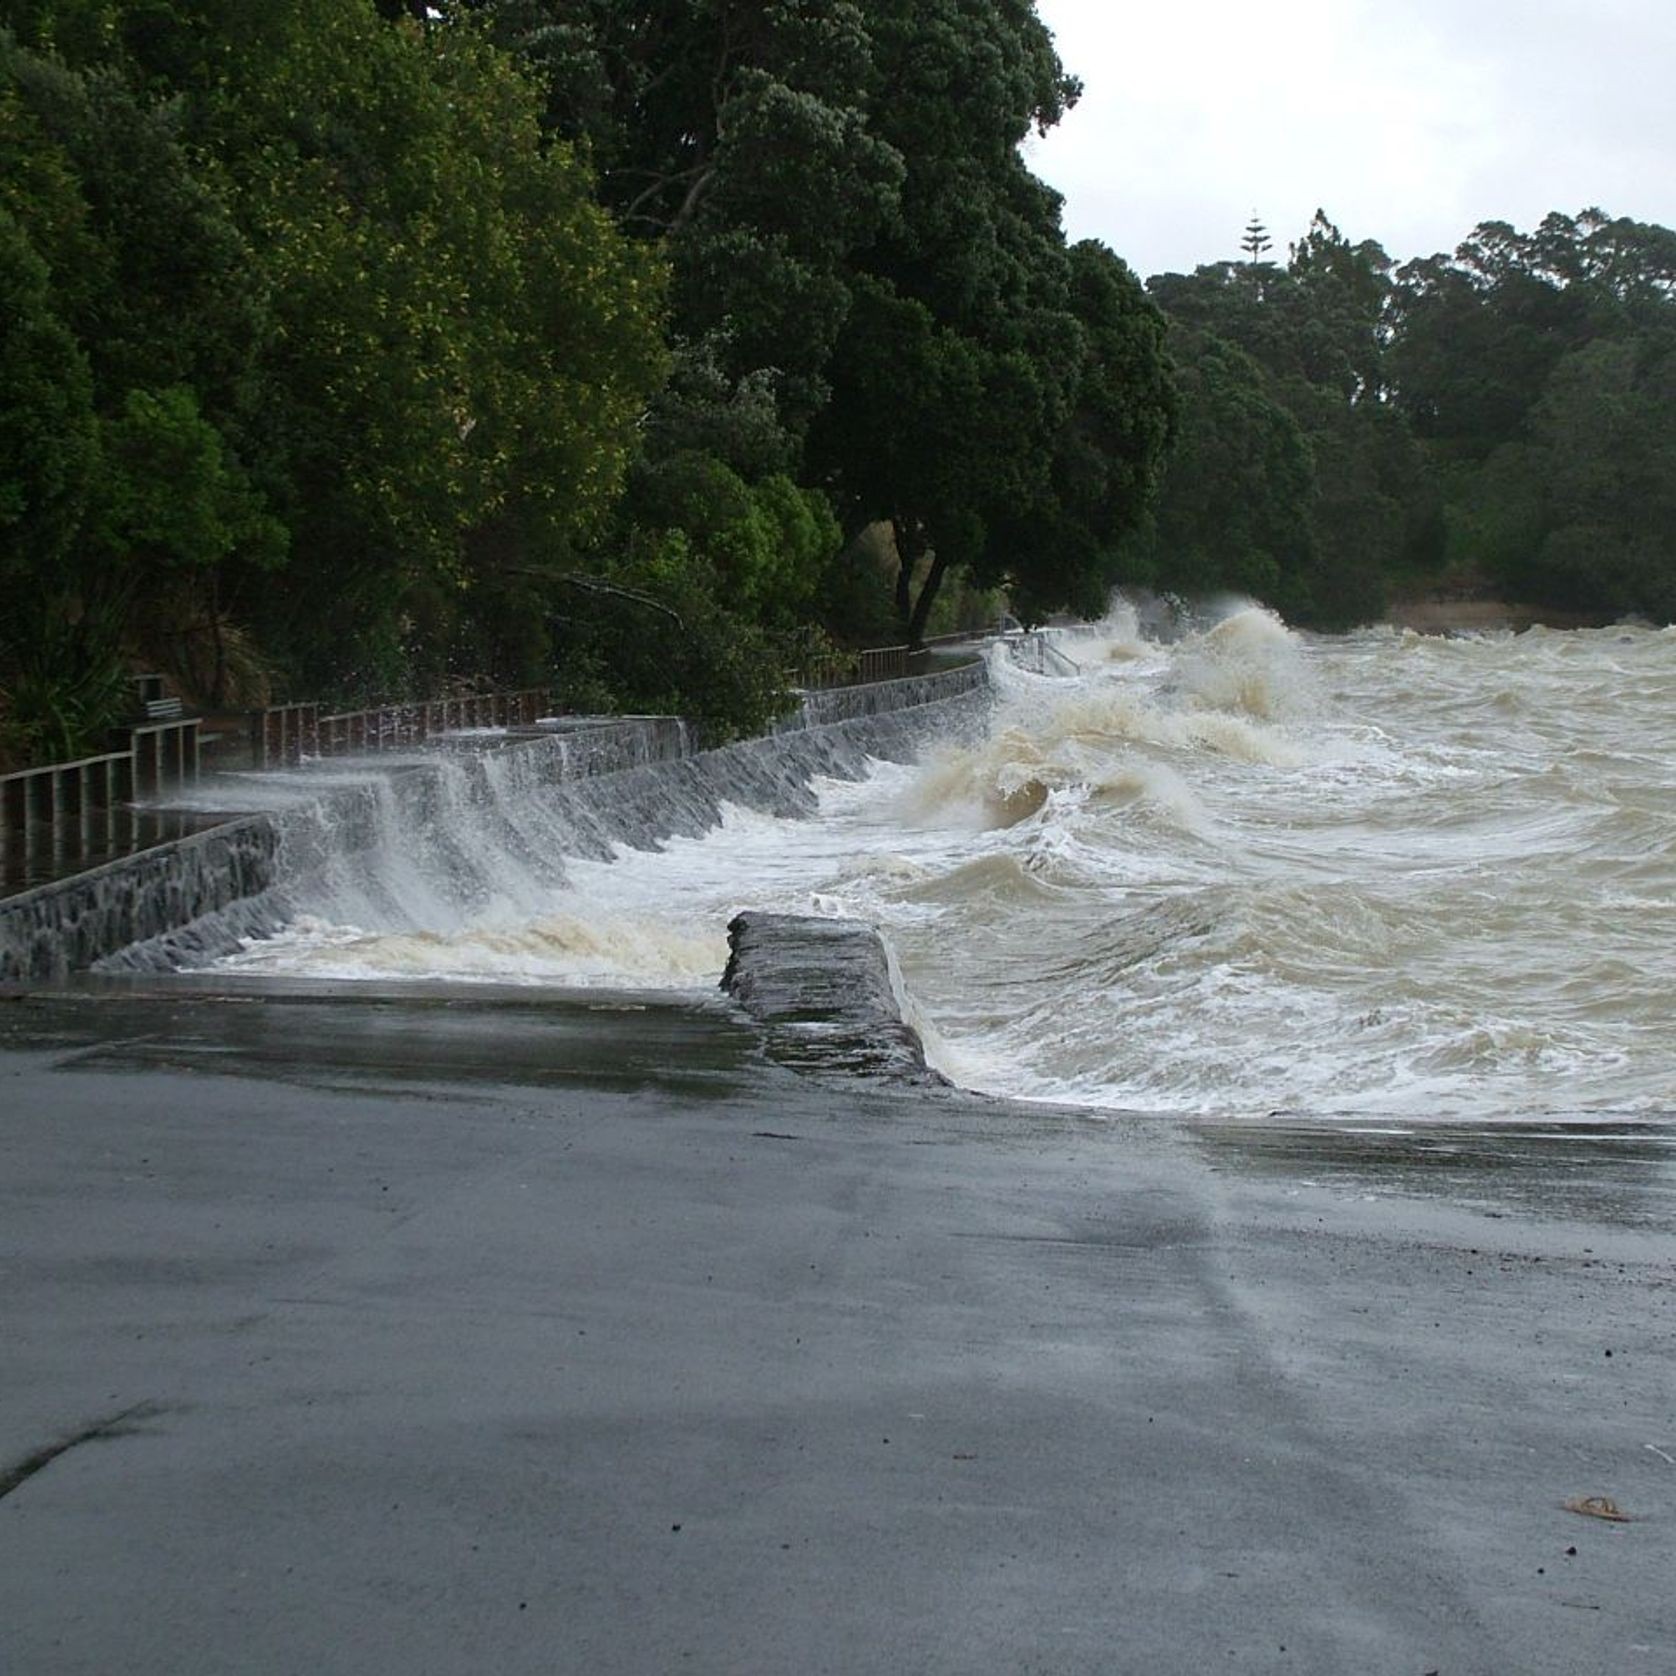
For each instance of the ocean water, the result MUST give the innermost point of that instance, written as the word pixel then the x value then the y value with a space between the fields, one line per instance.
pixel 1234 871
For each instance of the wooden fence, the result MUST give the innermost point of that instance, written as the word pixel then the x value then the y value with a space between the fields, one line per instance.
pixel 882 663
pixel 69 812
pixel 878 663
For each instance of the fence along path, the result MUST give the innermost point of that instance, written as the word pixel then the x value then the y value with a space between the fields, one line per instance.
pixel 286 733
pixel 67 817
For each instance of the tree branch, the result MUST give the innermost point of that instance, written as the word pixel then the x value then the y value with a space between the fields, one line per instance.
pixel 598 585
pixel 631 210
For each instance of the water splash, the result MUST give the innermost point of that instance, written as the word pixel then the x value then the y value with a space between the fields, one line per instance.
pixel 1221 868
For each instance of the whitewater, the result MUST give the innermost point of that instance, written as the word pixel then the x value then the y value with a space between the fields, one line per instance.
pixel 1220 869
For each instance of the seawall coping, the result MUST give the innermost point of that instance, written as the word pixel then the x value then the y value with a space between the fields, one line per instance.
pixel 159 894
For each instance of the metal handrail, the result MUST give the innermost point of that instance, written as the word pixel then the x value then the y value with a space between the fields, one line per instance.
pixel 70 811
pixel 287 733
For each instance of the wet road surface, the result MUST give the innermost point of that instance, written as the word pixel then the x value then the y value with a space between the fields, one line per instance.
pixel 419 1331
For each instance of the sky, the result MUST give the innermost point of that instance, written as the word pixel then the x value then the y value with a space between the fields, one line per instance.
pixel 1407 121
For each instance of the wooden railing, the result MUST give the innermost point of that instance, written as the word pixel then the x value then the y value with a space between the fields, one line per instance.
pixel 284 734
pixel 882 663
pixel 164 753
pixel 69 810
pixel 876 663
pixel 829 669
pixel 65 809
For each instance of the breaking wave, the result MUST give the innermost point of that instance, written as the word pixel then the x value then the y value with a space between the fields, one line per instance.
pixel 1218 866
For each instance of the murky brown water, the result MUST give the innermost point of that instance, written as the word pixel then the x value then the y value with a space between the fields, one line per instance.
pixel 1243 872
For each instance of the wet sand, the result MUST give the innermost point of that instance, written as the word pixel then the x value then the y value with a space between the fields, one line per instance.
pixel 427 1331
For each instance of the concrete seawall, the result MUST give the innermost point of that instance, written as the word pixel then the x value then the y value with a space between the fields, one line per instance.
pixel 832 705
pixel 635 781
pixel 826 997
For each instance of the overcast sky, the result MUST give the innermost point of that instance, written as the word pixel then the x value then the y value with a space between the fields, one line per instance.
pixel 1408 121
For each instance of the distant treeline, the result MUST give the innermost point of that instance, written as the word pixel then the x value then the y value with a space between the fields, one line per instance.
pixel 648 350
pixel 1499 420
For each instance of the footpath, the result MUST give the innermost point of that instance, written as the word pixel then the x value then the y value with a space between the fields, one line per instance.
pixel 419 1331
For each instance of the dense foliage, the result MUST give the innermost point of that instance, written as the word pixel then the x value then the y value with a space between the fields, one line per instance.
pixel 645 351
pixel 1502 420
pixel 361 346
pixel 340 353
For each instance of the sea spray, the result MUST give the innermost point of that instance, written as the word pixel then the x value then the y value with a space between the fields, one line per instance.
pixel 1228 869
pixel 474 868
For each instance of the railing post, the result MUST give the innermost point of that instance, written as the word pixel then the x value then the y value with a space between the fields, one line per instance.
pixel 110 796
pixel 54 781
pixel 141 745
pixel 73 803
pixel 10 823
pixel 13 800
pixel 31 819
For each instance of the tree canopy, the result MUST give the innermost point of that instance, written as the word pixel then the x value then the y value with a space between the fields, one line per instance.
pixel 555 339
pixel 1494 419
pixel 872 295
pixel 362 347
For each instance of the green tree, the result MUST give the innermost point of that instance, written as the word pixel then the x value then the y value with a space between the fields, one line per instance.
pixel 1064 549
pixel 861 256
pixel 968 393
pixel 148 281
pixel 1255 241
pixel 1531 364
pixel 735 133
pixel 326 268
pixel 1235 512
pixel 732 137
pixel 60 674
pixel 1475 337
pixel 1320 331
pixel 48 434
pixel 1580 515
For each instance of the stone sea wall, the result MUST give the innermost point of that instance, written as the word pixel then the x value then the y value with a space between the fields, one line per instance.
pixel 876 698
pixel 632 781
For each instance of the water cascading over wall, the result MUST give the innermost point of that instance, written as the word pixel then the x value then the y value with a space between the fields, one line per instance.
pixel 439 836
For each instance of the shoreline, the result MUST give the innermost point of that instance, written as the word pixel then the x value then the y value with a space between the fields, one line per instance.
pixel 1445 616
pixel 366 1327
pixel 192 899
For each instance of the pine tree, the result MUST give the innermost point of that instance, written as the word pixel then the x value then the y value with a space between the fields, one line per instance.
pixel 1256 243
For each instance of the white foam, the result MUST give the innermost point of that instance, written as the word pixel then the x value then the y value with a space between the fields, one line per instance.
pixel 1237 872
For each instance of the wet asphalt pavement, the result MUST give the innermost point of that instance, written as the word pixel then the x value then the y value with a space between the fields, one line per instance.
pixel 430 1331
